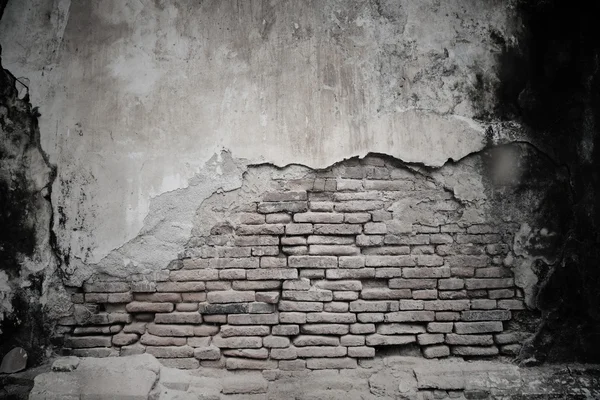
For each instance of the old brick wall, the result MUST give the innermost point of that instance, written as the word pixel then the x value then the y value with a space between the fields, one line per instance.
pixel 317 269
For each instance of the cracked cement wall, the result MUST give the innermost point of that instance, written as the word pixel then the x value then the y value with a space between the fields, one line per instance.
pixel 150 107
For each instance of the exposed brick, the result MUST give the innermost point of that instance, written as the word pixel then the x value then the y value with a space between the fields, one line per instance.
pixel 319 217
pixel 317 239
pixel 492 283
pixel 370 317
pixel 285 196
pixel 140 307
pixel 425 339
pixel 511 304
pixel 295 250
pixel 293 241
pixel 286 330
pixel 409 305
pixel 385 294
pixel 369 240
pixel 501 293
pixel 436 351
pixel 280 218
pixel 387 250
pixel 253 319
pixel 337 229
pixel 492 315
pixel 178 318
pixel 474 351
pixel 282 206
pixel 493 272
pixel 426 272
pixel 256 285
pixel 412 283
pixel 232 274
pixel 325 329
pixel 313 261
pixel 231 296
pixel 325 206
pixel 106 287
pixel 360 273
pixel 315 340
pixel 351 261
pixel 259 251
pixel 307 295
pixel 440 327
pixel 267 229
pixel 275 273
pixel 447 305
pixel 477 327
pixel 191 275
pixel 251 218
pixel 393 272
pixel 400 329
pixel 331 363
pixel 393 340
pixel 301 306
pixel 451 284
pixel 410 316
pixel 345 296
pixel 321 351
pixel 257 240
pixel 333 250
pixel 381 215
pixel 478 239
pixel 357 218
pixel 328 317
pixel 361 352
pixel 390 261
pixel 361 329
pixel 424 294
pixel 469 340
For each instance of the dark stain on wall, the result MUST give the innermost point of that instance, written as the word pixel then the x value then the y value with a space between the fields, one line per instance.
pixel 559 101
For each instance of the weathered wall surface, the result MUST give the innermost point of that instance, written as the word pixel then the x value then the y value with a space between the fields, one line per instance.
pixel 150 109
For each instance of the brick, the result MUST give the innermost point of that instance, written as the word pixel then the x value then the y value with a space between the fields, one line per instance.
pixel 297 284
pixel 319 217
pixel 440 327
pixel 295 250
pixel 307 295
pixel 352 340
pixel 299 229
pixel 237 342
pixel 333 250
pixel 451 284
pixel 468 261
pixel 301 306
pixel 275 342
pixel 423 250
pixel 483 304
pixel 387 250
pixel 451 228
pixel 429 260
pixel 312 273
pixel 411 305
pixel 170 351
pixel 424 294
pixel 394 340
pixel 349 184
pixel 357 218
pixel 106 287
pixel 260 251
pixel 478 239
pixel 345 296
pixel 469 340
pixel 268 297
pixel 390 261
pixel 447 316
pixel 292 365
pixel 361 329
pixel 331 363
pixel 481 229
pixel 143 287
pixel 267 229
pixel 209 352
pixel 278 218
pixel 351 262
pixel 218 285
pixel 462 272
pixel 152 340
pixel 273 262
pixel 493 315
pixel 370 317
pixel 369 240
pixel 269 274
pixel 232 274
pixel 339 240
pixel 215 318
pixel 241 363
pixel 197 341
pixel 447 305
pixel 178 318
pixel 510 349
pixel 327 317
pixel 501 293
pixel 493 272
pixel 135 327
pixel 313 261
pixel 436 351
pixel 286 330
pixel 412 283
pixel 511 337
pixel 253 319
pixel 293 241
pixel 282 206
pixel 426 272
pixel 373 306
pixel 394 272
pixel 410 316
pixel 289 353
pixel 412 240
pixel 361 352
pixel 489 283
pixel 285 196
pixel 359 273
pixel 440 238
pixel 257 240
pixel 474 351
pixel 511 304
pixel 321 351
pixel 292 318
pixel 231 308
pixel 87 341
pixel 385 294
pixel 243 263
pixel 337 229
pixel 242 330
pixel 452 294
pixel 170 330
pixel 325 329
pixel 430 338
pixel 322 206
pixel 388 185
pixel 140 307
pixel 477 327
pixel 256 285
pixel 400 329
pixel 313 340
pixel 497 249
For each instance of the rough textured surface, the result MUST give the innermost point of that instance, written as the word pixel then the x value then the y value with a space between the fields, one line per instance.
pixel 389 378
